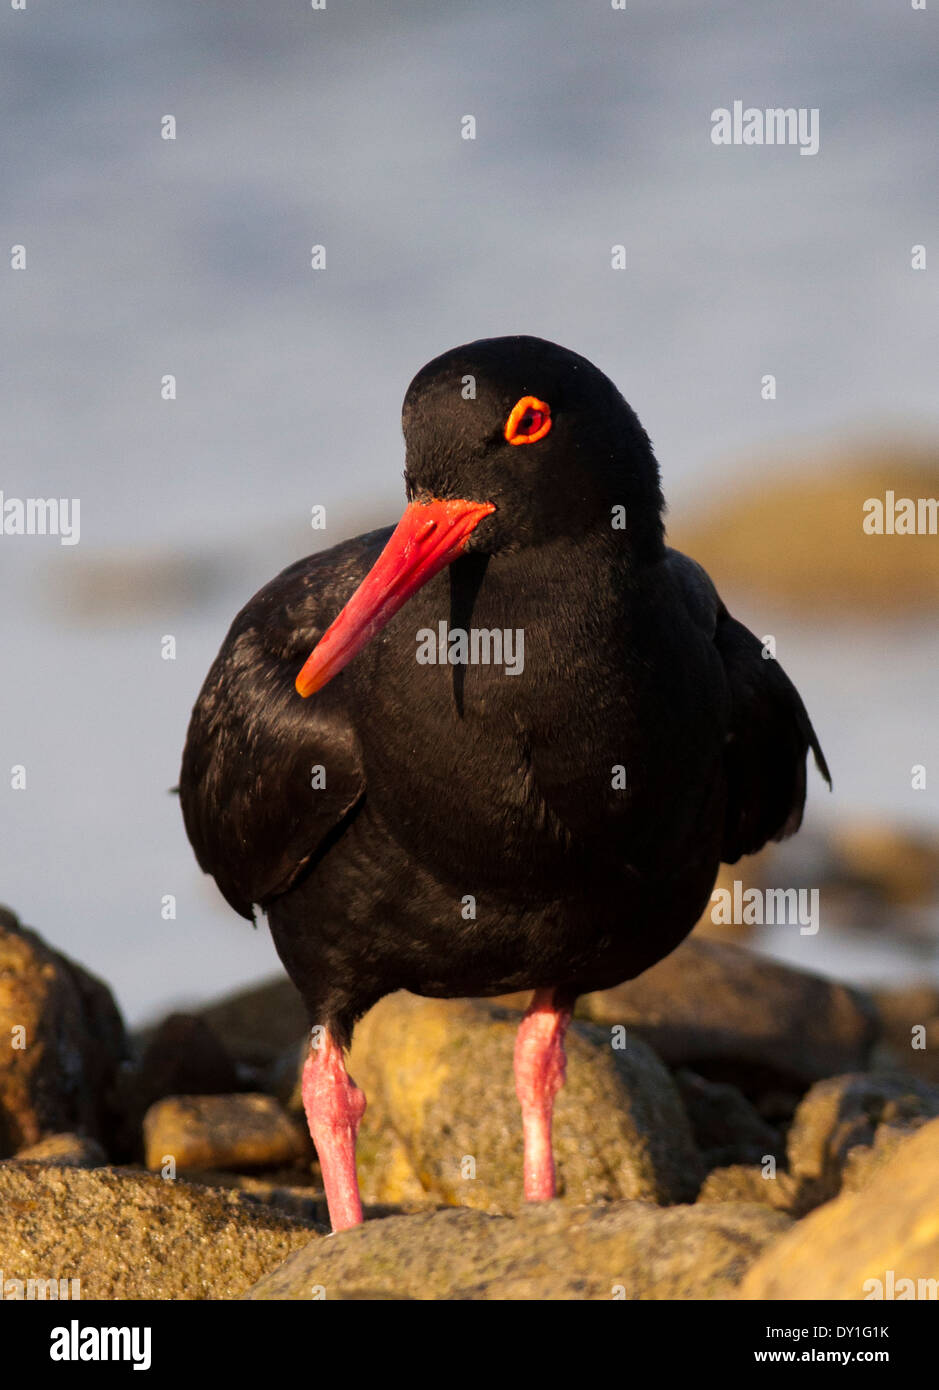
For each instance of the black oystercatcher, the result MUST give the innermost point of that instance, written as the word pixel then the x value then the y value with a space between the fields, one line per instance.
pixel 524 779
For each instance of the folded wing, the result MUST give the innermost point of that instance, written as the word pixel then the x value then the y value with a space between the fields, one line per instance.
pixel 270 780
pixel 769 734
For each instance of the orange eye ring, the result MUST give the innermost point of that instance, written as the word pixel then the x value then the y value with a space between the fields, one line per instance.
pixel 529 420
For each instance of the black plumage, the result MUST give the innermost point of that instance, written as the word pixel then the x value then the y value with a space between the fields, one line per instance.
pixel 480 832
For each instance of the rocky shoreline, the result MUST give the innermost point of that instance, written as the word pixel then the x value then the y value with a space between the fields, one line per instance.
pixel 731 1128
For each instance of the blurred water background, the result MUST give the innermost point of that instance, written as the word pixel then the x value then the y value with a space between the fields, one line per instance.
pixel 342 127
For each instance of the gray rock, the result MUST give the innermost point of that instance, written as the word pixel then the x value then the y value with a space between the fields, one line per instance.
pixel 732 1015
pixel 182 1056
pixel 911 1015
pixel 727 1128
pixel 256 1025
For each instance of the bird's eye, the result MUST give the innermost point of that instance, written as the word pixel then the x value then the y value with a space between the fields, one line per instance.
pixel 529 420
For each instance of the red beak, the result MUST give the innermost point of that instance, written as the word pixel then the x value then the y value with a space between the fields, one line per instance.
pixel 428 536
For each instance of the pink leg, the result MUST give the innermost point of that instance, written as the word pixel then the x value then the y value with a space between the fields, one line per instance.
pixel 539 1075
pixel 334 1106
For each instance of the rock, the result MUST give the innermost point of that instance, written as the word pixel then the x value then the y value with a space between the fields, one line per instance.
pixel 387 1175
pixel 549 1251
pixel 797 536
pixel 902 1009
pixel 862 1244
pixel 778 1107
pixel 732 1015
pixel 910 1019
pixel 239 1131
pixel 65 1150
pixel 257 1025
pixel 746 1183
pixel 67 1041
pixel 130 1235
pixel 752 872
pixel 863 1162
pixel 438 1076
pixel 184 1058
pixel 181 1057
pixel 283 1076
pixel 727 1128
pixel 288 1190
pixel 845 1113
pixel 901 866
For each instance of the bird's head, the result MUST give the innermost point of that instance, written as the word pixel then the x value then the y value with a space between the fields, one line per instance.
pixel 510 443
pixel 534 429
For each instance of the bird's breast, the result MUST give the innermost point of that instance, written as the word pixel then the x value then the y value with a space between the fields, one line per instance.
pixel 520 765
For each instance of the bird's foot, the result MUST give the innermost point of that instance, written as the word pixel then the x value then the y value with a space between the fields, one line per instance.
pixel 539 1075
pixel 334 1106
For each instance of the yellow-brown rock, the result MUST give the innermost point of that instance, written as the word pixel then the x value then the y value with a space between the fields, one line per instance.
pixel 442 1108
pixel 797 535
pixel 61 1041
pixel 132 1235
pixel 549 1251
pixel 236 1131
pixel 861 1244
